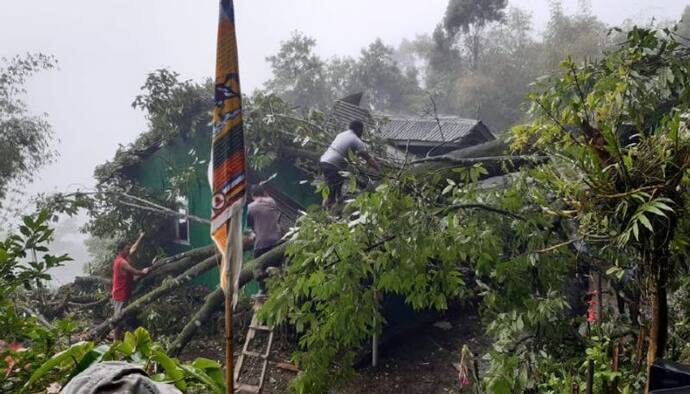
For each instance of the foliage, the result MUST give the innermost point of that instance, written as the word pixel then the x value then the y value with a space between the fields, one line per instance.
pixel 102 252
pixel 138 348
pixel 387 86
pixel 303 79
pixel 620 157
pixel 414 237
pixel 24 138
pixel 24 262
pixel 579 36
pixel 298 73
pixel 175 109
pixel 611 191
pixel 510 60
pixel 471 17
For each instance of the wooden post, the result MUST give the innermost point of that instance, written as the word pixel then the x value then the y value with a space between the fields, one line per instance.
pixel 615 364
pixel 229 375
pixel 375 338
pixel 375 350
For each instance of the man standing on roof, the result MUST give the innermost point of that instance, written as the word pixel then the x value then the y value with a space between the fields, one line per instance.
pixel 123 276
pixel 262 217
pixel 335 159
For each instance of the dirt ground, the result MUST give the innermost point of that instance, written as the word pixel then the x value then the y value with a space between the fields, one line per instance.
pixel 420 362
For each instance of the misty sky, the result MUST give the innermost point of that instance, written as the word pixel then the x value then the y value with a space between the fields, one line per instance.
pixel 106 48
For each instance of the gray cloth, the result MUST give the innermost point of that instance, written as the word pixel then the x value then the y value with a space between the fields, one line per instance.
pixel 343 143
pixel 262 216
pixel 117 307
pixel 116 377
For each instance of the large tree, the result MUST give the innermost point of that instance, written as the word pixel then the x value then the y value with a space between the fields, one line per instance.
pixel 617 130
pixel 578 36
pixel 495 91
pixel 471 18
pixel 25 139
pixel 299 75
pixel 380 75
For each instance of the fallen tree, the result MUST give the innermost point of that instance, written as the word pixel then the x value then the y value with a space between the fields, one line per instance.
pixel 214 301
pixel 160 269
pixel 166 287
pixel 92 280
pixel 252 270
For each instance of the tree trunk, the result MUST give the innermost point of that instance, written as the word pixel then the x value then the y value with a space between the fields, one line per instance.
pixel 166 287
pixel 145 283
pixel 85 281
pixel 658 332
pixel 195 254
pixel 214 301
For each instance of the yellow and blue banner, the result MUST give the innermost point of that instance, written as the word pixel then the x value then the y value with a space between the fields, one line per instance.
pixel 228 155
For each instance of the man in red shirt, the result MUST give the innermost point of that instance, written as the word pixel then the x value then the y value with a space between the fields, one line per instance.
pixel 123 276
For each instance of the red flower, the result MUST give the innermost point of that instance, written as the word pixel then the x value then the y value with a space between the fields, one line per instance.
pixel 592 308
pixel 10 364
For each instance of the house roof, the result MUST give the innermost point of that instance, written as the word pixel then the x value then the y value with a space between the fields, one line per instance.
pixel 344 112
pixel 402 129
pixel 451 129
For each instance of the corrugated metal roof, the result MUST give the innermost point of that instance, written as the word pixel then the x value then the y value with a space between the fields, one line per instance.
pixel 343 113
pixel 427 130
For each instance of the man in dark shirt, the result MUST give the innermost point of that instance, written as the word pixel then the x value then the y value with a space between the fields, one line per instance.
pixel 263 217
pixel 335 159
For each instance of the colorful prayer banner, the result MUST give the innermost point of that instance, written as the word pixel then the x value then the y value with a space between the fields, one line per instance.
pixel 228 156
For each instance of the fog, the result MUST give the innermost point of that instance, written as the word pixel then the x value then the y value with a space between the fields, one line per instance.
pixel 106 48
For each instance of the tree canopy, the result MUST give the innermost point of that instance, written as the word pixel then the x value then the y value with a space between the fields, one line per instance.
pixel 25 139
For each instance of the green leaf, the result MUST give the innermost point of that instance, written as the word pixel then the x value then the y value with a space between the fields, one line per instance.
pixel 143 341
pixel 201 376
pixel 501 386
pixel 75 352
pixel 643 219
pixel 519 324
pixel 95 355
pixel 212 369
pixel 205 363
pixel 170 366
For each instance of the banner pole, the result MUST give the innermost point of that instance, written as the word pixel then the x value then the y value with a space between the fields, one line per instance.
pixel 229 373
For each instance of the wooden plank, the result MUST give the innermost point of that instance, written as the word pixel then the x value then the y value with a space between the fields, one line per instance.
pixel 248 388
pixel 261 328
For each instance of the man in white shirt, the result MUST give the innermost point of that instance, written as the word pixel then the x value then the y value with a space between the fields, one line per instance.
pixel 335 159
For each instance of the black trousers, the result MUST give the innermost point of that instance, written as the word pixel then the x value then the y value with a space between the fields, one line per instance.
pixel 334 180
pixel 257 254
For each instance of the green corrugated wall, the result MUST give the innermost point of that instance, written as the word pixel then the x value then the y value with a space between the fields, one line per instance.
pixel 156 170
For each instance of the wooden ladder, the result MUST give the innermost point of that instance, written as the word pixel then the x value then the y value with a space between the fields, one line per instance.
pixel 254 326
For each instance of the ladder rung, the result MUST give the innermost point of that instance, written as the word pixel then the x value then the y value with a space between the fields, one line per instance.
pixel 261 328
pixel 247 387
pixel 254 354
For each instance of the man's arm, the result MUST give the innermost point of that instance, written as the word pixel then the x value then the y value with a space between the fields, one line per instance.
pixel 136 244
pixel 128 267
pixel 372 162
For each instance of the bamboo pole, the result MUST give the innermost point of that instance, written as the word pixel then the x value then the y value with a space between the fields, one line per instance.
pixel 375 338
pixel 229 375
